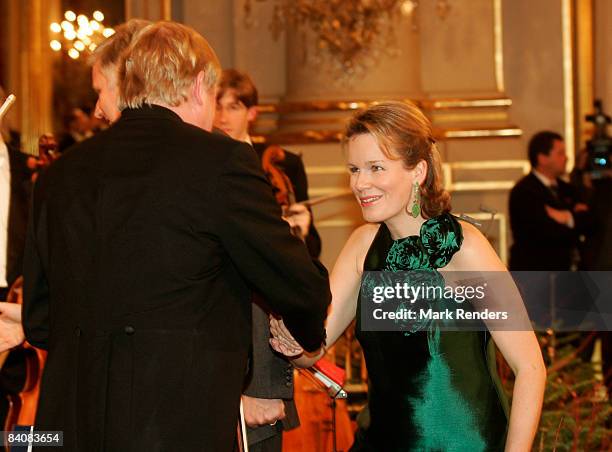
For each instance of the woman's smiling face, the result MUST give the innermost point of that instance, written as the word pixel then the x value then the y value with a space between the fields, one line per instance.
pixel 383 186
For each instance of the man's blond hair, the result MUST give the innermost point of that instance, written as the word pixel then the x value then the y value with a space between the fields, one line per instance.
pixel 108 53
pixel 162 63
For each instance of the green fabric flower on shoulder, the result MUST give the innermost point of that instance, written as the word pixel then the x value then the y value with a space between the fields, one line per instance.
pixel 441 237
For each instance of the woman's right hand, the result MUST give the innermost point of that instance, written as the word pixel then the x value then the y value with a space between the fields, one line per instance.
pixel 282 341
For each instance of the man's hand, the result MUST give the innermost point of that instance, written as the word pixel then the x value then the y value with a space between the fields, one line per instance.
pixel 560 216
pixel 298 215
pixel 11 331
pixel 258 412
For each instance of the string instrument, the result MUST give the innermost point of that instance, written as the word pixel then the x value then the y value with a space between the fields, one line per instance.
pixel 22 405
pixel 284 192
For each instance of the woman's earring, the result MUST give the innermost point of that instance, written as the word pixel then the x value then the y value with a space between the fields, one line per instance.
pixel 415 211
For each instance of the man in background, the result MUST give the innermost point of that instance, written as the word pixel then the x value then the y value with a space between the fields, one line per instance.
pixel 78 127
pixel 546 215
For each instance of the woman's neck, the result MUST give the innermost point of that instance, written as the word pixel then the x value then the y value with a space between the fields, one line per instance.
pixel 404 226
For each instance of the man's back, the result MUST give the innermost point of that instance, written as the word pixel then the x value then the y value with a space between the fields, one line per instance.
pixel 148 237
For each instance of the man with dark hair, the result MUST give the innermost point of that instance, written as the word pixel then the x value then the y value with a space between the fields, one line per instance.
pixel 268 395
pixel 237 100
pixel 545 215
pixel 77 127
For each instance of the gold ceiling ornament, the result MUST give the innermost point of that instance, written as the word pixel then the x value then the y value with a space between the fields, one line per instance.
pixel 353 34
pixel 348 34
pixel 79 35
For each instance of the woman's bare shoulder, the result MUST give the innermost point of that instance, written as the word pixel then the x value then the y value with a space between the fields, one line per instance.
pixel 476 251
pixel 359 242
pixel 364 235
pixel 472 237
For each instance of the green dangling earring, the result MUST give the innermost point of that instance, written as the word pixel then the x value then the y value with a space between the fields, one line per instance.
pixel 415 211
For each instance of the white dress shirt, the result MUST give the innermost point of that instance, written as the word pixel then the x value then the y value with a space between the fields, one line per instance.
pixel 5 196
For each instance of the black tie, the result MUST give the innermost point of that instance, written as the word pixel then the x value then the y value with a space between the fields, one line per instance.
pixel 555 191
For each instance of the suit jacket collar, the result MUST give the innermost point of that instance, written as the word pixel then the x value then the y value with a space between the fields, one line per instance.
pixel 149 112
pixel 547 182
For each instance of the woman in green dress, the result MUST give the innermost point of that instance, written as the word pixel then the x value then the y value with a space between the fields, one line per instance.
pixel 429 389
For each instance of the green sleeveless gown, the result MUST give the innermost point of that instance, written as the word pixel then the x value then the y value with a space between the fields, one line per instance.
pixel 428 390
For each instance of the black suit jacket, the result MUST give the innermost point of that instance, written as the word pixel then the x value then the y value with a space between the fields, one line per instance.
pixel 540 243
pixel 142 247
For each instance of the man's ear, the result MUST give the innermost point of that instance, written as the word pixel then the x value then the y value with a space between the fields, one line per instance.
pixel 198 89
pixel 541 159
pixel 251 114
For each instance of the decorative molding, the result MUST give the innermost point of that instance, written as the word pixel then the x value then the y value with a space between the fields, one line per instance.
pixel 352 105
pixel 304 137
pixel 335 136
pixel 491 164
pixel 328 169
pixel 337 223
pixel 493 132
pixel 328 191
pixel 489 185
pixel 455 117
pixel 445 104
pixel 568 79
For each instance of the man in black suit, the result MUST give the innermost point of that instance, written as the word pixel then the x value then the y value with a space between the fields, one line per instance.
pixel 268 395
pixel 144 243
pixel 545 215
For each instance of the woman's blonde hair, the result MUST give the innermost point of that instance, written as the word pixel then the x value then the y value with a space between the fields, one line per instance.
pixel 162 63
pixel 403 132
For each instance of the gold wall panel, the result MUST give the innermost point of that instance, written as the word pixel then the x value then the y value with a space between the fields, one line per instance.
pixel 466 43
pixel 148 9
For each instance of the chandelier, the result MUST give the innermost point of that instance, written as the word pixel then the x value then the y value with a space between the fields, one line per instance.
pixel 352 32
pixel 79 35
